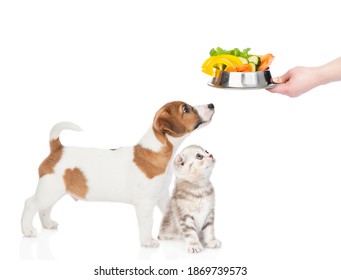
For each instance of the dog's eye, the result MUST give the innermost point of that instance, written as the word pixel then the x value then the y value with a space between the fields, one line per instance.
pixel 199 157
pixel 185 109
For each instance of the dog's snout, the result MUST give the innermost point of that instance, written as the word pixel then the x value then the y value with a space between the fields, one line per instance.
pixel 210 106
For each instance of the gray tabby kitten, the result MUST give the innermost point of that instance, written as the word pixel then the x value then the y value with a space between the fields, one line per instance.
pixel 190 212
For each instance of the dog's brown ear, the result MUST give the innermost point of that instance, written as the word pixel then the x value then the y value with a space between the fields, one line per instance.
pixel 166 124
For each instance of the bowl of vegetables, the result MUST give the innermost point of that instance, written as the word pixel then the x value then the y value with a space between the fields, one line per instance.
pixel 238 69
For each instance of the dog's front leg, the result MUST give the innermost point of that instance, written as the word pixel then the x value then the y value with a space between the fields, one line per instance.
pixel 144 213
pixel 163 202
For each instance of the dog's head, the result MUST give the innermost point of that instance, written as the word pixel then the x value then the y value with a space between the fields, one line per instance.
pixel 177 118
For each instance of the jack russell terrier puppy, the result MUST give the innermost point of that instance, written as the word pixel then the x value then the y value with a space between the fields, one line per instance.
pixel 138 175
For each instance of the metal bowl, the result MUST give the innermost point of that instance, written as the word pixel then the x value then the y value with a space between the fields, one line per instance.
pixel 242 80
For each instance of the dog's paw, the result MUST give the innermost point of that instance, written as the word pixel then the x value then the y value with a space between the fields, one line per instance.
pixel 215 243
pixel 50 225
pixel 30 232
pixel 194 248
pixel 152 243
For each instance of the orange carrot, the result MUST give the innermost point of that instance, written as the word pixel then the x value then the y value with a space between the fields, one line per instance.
pixel 244 68
pixel 231 69
pixel 265 61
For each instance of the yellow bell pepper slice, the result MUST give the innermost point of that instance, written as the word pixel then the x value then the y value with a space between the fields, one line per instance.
pixel 218 61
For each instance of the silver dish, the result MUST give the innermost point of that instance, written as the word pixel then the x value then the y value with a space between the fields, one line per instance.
pixel 242 80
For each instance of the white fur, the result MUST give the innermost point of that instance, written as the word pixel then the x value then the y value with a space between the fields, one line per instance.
pixel 111 175
pixel 59 127
pixel 149 141
pixel 187 167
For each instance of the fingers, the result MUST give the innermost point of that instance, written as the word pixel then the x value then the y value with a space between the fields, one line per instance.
pixel 277 80
pixel 280 88
pixel 281 79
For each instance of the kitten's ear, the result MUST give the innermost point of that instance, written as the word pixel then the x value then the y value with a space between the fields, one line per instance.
pixel 179 161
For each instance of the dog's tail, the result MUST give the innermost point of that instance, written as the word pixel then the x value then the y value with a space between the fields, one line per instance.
pixel 57 129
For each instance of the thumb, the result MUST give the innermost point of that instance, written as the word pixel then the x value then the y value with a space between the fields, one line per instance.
pixel 281 79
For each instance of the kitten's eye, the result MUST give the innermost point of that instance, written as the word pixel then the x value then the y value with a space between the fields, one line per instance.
pixel 206 152
pixel 199 157
pixel 185 109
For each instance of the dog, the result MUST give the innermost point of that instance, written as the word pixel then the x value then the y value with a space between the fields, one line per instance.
pixel 139 175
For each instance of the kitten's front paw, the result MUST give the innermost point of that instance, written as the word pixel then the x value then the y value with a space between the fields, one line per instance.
pixel 194 247
pixel 150 243
pixel 163 236
pixel 215 243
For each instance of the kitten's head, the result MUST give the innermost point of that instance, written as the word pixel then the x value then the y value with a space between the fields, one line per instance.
pixel 193 164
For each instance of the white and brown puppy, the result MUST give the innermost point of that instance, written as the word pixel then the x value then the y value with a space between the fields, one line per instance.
pixel 139 175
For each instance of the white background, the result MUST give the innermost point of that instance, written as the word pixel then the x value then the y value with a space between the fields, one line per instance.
pixel 108 66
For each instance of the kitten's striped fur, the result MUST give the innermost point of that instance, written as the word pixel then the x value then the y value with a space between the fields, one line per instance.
pixel 190 212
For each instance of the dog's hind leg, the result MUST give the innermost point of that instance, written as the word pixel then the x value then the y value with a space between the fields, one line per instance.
pixel 50 189
pixel 29 212
pixel 49 192
pixel 45 218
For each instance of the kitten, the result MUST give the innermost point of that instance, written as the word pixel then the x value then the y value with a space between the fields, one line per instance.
pixel 190 211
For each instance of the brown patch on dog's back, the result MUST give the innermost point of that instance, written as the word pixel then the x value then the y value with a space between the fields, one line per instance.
pixel 75 182
pixel 152 163
pixel 47 166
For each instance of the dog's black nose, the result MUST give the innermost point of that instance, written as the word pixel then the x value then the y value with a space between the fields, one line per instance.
pixel 210 106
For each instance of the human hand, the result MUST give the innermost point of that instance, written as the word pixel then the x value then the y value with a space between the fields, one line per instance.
pixel 296 81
